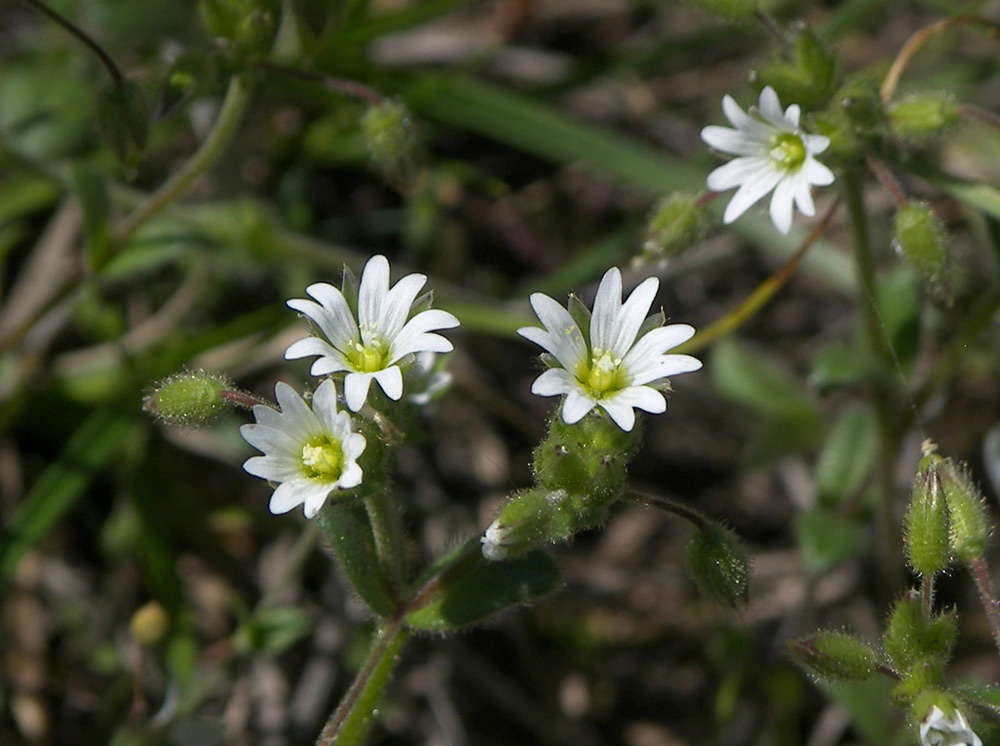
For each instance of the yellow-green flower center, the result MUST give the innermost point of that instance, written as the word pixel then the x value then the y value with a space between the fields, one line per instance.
pixel 603 375
pixel 788 151
pixel 368 357
pixel 323 459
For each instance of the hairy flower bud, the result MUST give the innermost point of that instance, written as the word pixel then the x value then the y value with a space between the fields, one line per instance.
pixel 922 116
pixel 806 75
pixel 678 223
pixel 911 637
pixel 969 524
pixel 537 516
pixel 589 457
pixel 719 566
pixel 393 143
pixel 190 399
pixel 248 26
pixel 926 525
pixel 836 657
pixel 921 238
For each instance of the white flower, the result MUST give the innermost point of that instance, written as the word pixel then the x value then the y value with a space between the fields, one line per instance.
pixel 373 345
pixel 774 153
pixel 937 729
pixel 310 452
pixel 614 371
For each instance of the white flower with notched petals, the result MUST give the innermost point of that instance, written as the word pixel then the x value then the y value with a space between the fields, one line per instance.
pixel 612 370
pixel 309 451
pixel 938 729
pixel 372 345
pixel 774 153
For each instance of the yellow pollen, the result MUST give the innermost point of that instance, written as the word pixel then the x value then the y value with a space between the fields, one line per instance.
pixel 323 460
pixel 787 150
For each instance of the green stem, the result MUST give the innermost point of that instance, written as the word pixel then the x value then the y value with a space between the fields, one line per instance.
pixel 350 722
pixel 889 546
pixel 226 125
pixel 390 547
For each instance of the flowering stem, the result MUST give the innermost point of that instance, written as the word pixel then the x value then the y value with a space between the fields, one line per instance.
pixel 226 125
pixel 350 722
pixel 890 543
pixel 979 572
pixel 672 506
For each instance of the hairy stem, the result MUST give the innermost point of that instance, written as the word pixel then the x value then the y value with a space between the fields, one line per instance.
pixel 226 125
pixel 390 545
pixel 350 722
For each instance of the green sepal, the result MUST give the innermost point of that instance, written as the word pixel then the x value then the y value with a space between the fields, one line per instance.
pixel 970 524
pixel 349 531
pixel 579 312
pixel 836 657
pixel 467 588
pixel 589 457
pixel 983 695
pixel 923 678
pixel 718 564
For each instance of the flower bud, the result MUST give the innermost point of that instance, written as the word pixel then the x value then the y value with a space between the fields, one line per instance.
pixel 836 657
pixel 123 121
pixel 189 399
pixel 589 457
pixel 806 75
pixel 393 143
pixel 677 224
pixel 922 116
pixel 719 566
pixel 249 26
pixel 970 525
pixel 921 238
pixel 149 624
pixel 926 525
pixel 537 516
pixel 910 636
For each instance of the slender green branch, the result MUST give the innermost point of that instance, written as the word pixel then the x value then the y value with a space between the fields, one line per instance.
pixel 226 125
pixel 351 88
pixel 350 722
pixel 116 76
pixel 672 506
pixel 889 544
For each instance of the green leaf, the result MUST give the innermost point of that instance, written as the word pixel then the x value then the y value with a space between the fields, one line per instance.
pixel 899 301
pixel 825 539
pixel 349 531
pixel 838 365
pixel 847 456
pixel 471 588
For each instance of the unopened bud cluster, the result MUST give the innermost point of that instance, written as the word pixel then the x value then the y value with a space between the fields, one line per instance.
pixel 392 142
pixel 193 398
pixel 580 471
pixel 946 520
pixel 678 223
pixel 920 237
